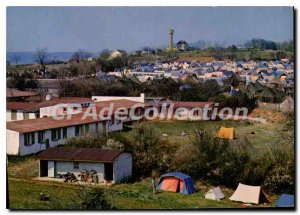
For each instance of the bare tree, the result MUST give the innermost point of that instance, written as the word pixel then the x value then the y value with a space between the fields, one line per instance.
pixel 80 55
pixel 40 57
pixel 16 58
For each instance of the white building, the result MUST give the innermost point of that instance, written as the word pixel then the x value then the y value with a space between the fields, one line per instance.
pixel 117 53
pixel 31 110
pixel 31 136
pixel 110 164
pixel 140 99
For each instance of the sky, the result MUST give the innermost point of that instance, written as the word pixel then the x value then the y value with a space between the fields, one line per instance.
pixel 67 29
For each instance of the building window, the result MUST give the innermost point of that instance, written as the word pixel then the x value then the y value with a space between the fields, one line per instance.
pixel 77 130
pixel 14 114
pixel 41 136
pixel 65 132
pixel 86 128
pixel 26 116
pixel 28 138
pixel 55 134
pixel 81 129
pixel 75 165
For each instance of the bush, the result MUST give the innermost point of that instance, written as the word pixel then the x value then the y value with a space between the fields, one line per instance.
pixel 225 163
pixel 281 177
pixel 91 198
pixel 150 152
pixel 202 157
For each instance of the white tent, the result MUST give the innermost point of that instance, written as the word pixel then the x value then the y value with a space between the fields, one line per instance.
pixel 214 194
pixel 249 194
pixel 287 105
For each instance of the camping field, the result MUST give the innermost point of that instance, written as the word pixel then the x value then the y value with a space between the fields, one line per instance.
pixel 24 189
pixel 263 137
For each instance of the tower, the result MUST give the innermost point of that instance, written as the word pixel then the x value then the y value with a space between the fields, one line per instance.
pixel 171 32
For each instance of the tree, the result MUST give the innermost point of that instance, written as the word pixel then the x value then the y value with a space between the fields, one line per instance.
pixel 150 151
pixel 202 155
pixel 211 88
pixel 16 58
pixel 80 55
pixel 41 57
pixel 105 54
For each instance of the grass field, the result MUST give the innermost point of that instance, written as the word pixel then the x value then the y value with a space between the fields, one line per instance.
pixel 24 189
pixel 263 137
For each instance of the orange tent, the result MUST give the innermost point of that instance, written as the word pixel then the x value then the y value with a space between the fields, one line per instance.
pixel 226 133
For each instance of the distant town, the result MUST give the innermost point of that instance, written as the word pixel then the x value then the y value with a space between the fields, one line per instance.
pixel 149 162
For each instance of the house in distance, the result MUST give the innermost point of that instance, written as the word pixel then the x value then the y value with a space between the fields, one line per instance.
pixel 182 45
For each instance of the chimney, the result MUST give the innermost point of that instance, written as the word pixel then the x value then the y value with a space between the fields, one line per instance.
pixel 142 96
pixel 48 97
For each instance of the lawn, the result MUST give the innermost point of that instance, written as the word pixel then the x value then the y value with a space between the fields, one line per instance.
pixel 264 133
pixel 24 194
pixel 24 190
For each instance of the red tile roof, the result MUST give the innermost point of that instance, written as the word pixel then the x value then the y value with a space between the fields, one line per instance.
pixel 80 154
pixel 48 103
pixel 122 103
pixel 46 123
pixel 10 93
pixel 192 104
pixel 21 106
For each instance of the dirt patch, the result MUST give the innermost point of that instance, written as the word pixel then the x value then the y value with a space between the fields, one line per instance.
pixel 196 58
pixel 273 116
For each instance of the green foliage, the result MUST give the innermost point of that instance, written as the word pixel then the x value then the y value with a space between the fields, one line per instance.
pixel 261 44
pixel 105 54
pixel 241 99
pixel 91 198
pixel 90 140
pixel 21 80
pixel 225 163
pixel 150 152
pixel 202 156
pixel 16 159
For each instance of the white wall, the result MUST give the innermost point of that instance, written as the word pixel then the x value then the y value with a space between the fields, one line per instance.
pixel 19 114
pixel 8 115
pixel 15 140
pixel 122 167
pixel 62 167
pixel 140 99
pixel 12 142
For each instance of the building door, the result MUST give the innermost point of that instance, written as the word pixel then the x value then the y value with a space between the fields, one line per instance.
pixel 51 169
pixel 108 171
pixel 43 168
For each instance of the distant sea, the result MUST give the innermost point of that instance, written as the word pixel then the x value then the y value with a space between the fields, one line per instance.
pixel 28 57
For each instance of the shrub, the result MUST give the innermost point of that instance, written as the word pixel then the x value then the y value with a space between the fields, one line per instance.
pixel 202 157
pixel 91 198
pixel 281 177
pixel 150 152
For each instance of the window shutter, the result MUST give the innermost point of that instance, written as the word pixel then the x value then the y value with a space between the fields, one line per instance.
pixel 76 130
pixel 59 133
pixel 32 138
pixel 39 137
pixel 52 134
pixel 65 133
pixel 25 139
